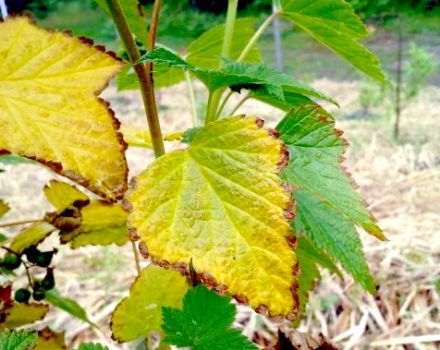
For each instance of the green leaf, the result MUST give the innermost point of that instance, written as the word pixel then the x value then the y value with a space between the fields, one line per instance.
pixel 4 208
pixel 289 100
pixel 17 340
pixel 102 224
pixel 205 51
pixel 164 76
pixel 133 12
pixel 328 207
pixel 238 76
pixel 3 237
pixel 309 258
pixel 31 236
pixel 334 24
pixel 140 313
pixel 221 204
pixel 204 323
pixel 68 305
pixel 10 159
pixel 92 346
pixel 61 194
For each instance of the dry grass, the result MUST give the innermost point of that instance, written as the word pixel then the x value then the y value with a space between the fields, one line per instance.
pixel 401 182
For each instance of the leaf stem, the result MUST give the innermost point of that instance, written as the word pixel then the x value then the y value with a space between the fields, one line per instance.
pixel 223 104
pixel 192 98
pixel 257 36
pixel 143 72
pixel 18 223
pixel 240 103
pixel 136 257
pixel 215 97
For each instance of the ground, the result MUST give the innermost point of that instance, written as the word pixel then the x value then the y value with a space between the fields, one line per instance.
pixel 399 179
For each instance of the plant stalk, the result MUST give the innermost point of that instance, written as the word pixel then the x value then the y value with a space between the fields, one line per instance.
pixel 192 98
pixel 215 97
pixel 143 72
pixel 136 257
pixel 257 36
pixel 18 223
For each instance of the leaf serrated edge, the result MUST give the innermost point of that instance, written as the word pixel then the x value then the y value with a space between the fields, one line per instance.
pixel 58 167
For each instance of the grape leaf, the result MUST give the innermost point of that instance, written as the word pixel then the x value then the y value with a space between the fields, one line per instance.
pixel 61 194
pixel 137 137
pixel 204 323
pixel 68 305
pixel 31 236
pixel 17 340
pixel 328 207
pixel 49 110
pixel 102 224
pixel 334 24
pixel 17 315
pixel 133 12
pixel 49 340
pixel 221 203
pixel 4 208
pixel 140 313
pixel 205 51
pixel 286 103
pixel 238 76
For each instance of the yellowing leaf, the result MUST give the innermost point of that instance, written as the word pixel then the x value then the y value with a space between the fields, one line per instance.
pixel 31 235
pixel 49 110
pixel 61 194
pixel 221 203
pixel 137 137
pixel 49 340
pixel 102 224
pixel 140 313
pixel 18 315
pixel 4 208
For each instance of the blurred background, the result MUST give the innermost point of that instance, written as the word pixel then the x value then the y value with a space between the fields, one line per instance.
pixel 394 157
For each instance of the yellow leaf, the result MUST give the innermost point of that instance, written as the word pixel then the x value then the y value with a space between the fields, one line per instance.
pixel 49 340
pixel 30 236
pixel 49 110
pixel 61 194
pixel 102 224
pixel 136 137
pixel 18 315
pixel 140 313
pixel 221 203
pixel 4 208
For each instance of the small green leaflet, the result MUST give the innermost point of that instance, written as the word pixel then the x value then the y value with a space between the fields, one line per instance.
pixel 334 24
pixel 68 305
pixel 238 76
pixel 328 207
pixel 17 340
pixel 205 51
pixel 204 323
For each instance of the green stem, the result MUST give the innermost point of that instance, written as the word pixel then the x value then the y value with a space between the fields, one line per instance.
pixel 224 102
pixel 143 72
pixel 257 36
pixel 214 101
pixel 136 257
pixel 240 103
pixel 18 223
pixel 192 98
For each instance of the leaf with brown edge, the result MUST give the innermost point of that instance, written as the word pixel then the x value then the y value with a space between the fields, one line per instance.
pixel 61 194
pixel 140 313
pixel 50 340
pixel 49 109
pixel 31 236
pixel 18 315
pixel 221 203
pixel 4 208
pixel 102 224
